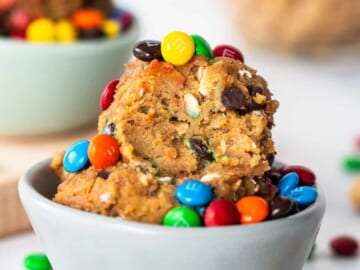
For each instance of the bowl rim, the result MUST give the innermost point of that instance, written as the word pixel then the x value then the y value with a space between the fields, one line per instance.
pixel 127 35
pixel 25 188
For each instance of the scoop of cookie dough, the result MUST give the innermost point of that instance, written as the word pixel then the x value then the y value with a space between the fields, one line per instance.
pixel 208 120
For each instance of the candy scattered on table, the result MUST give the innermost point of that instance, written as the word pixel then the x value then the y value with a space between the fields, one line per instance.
pixel 86 22
pixel 351 163
pixel 37 261
pixel 344 245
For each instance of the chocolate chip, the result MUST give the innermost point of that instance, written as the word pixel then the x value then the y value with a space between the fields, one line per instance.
pixel 274 177
pixel 103 174
pixel 201 149
pixel 282 207
pixel 266 188
pixel 271 159
pixel 147 50
pixel 233 98
pixel 241 112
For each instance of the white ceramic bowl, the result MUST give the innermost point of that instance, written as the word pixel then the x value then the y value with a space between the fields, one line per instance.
pixel 48 88
pixel 76 240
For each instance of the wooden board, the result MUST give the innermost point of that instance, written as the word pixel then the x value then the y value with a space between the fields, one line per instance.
pixel 16 156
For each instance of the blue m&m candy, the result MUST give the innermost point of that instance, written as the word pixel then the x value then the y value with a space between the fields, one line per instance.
pixel 288 182
pixel 194 193
pixel 303 195
pixel 76 157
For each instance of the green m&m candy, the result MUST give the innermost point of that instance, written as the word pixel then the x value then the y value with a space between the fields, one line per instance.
pixel 202 47
pixel 351 163
pixel 182 216
pixel 37 261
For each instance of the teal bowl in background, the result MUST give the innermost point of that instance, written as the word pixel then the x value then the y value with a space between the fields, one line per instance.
pixel 51 88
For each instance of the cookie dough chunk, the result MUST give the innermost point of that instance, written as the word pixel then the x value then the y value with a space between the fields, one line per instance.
pixel 208 120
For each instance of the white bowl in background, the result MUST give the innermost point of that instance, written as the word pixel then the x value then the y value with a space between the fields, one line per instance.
pixel 52 87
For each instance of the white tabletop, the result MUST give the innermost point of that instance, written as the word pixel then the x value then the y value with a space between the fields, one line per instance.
pixel 316 124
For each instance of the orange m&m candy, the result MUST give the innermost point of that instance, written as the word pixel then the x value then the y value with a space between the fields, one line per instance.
pixel 252 209
pixel 103 151
pixel 87 18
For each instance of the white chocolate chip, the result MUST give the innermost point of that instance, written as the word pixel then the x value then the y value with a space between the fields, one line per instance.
pixel 164 179
pixel 223 147
pixel 200 73
pixel 192 107
pixel 203 91
pixel 257 112
pixel 145 178
pixel 209 177
pixel 244 72
pixel 203 85
pixel 141 92
pixel 105 197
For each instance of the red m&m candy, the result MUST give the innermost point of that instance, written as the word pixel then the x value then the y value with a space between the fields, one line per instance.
pixel 306 176
pixel 220 213
pixel 103 151
pixel 228 51
pixel 344 245
pixel 107 96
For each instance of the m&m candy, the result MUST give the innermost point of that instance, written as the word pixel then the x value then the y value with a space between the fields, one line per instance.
pixel 182 216
pixel 177 48
pixel 147 50
pixel 202 47
pixel 220 213
pixel 194 193
pixel 306 176
pixel 107 96
pixel 87 18
pixel 287 183
pixel 65 31
pixel 228 51
pixel 252 209
pixel 37 261
pixel 303 195
pixel 344 245
pixel 41 30
pixel 103 151
pixel 111 28
pixel 76 156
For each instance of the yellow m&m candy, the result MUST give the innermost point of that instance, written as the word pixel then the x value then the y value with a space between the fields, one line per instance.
pixel 41 30
pixel 177 48
pixel 111 28
pixel 65 31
